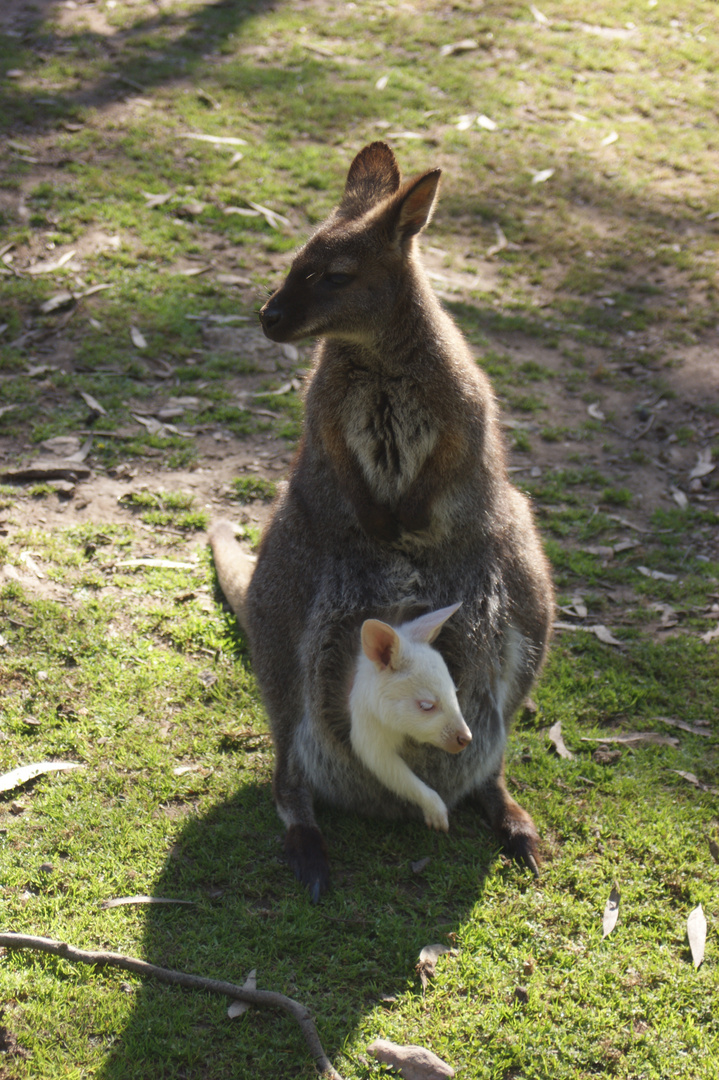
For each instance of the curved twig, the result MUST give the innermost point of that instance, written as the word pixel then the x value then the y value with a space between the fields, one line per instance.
pixel 267 999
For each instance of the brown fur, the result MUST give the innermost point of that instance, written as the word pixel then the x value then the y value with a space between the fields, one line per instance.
pixel 398 502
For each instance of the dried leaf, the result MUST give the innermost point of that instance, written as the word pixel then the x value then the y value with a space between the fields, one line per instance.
pixel 485 122
pixel 684 726
pixel 501 242
pixel 420 864
pixel 456 47
pixel 381 82
pixel 542 176
pixel 405 135
pixel 237 1008
pixel 657 575
pixel 692 779
pixel 539 16
pixel 704 464
pixel 273 219
pixel 122 901
pixel 714 849
pixel 48 266
pixel 599 630
pixel 595 412
pixel 679 497
pixel 20 776
pixel 710 635
pixel 697 934
pixel 138 339
pixel 428 958
pixel 242 210
pixel 153 201
pixel 555 737
pixel 411 1062
pixel 464 122
pixel 631 737
pixel 217 140
pixel 611 912
pixel 59 300
pixel 160 564
pixel 610 138
pixel 27 560
pixel 93 404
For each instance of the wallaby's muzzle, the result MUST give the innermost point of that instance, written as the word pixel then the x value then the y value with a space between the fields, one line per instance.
pixel 271 317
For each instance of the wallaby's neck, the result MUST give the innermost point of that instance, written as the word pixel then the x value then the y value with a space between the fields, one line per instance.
pixel 416 335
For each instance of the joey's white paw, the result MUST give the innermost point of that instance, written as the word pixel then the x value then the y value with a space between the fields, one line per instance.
pixel 435 814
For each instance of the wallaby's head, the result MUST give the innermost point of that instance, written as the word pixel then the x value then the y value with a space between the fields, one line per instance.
pixel 346 280
pixel 405 683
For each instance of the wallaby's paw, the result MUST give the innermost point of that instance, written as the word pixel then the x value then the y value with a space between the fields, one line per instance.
pixel 435 815
pixel 307 855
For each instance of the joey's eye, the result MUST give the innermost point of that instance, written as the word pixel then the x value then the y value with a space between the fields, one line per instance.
pixel 427 706
pixel 337 279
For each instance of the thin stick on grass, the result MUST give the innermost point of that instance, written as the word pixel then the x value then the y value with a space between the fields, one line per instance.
pixel 266 999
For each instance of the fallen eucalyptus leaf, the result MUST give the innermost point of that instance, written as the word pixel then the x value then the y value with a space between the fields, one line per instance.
pixel 539 16
pixel 684 726
pixel 455 47
pixel 595 412
pixel 93 404
pixel 631 737
pixel 153 201
pixel 679 497
pixel 428 958
pixel 381 82
pixel 714 849
pixel 695 781
pixel 555 737
pixel 138 339
pixel 21 775
pixel 411 1062
pixel 59 300
pixel 122 901
pixel 485 122
pixel 217 140
pixel 704 464
pixel 656 575
pixel 237 1008
pixel 611 912
pixel 697 934
pixel 710 635
pixel 610 138
pixel 542 176
pixel 464 122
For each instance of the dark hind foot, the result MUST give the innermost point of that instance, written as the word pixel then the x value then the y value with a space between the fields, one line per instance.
pixel 307 855
pixel 518 836
pixel 510 823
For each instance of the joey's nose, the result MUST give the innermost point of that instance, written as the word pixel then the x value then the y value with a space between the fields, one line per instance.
pixel 464 740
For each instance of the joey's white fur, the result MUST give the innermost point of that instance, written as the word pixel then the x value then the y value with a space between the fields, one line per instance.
pixel 402 689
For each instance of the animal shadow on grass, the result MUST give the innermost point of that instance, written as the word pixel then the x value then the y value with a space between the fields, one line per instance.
pixel 338 958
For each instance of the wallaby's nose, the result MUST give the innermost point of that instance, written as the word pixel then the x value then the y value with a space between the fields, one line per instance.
pixel 270 315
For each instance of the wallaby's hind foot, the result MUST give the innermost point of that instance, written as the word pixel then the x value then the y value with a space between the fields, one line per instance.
pixel 307 856
pixel 510 823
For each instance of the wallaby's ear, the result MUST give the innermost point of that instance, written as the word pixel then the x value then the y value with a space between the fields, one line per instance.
pixel 413 207
pixel 374 174
pixel 427 627
pixel 380 643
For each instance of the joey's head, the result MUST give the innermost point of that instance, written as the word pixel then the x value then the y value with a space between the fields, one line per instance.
pixel 406 683
pixel 346 280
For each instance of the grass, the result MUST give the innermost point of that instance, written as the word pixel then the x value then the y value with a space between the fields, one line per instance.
pixel 139 673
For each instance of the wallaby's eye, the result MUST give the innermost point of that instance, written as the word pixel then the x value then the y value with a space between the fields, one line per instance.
pixel 337 279
pixel 427 706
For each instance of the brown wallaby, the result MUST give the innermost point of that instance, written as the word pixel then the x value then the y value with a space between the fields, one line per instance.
pixel 397 503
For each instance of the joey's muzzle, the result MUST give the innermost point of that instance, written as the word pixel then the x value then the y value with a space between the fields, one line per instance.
pixel 457 738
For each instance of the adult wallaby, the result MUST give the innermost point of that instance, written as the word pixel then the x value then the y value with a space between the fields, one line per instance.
pixel 397 503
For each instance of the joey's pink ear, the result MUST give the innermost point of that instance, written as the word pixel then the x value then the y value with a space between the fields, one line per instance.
pixel 374 174
pixel 427 627
pixel 414 205
pixel 380 643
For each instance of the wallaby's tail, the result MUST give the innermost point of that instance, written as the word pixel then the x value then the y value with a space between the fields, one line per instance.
pixel 233 565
